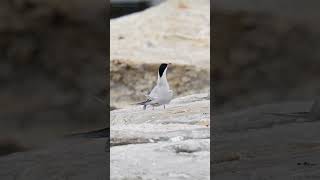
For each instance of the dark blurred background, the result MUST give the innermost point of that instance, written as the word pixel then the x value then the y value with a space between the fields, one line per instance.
pixel 124 7
pixel 53 58
pixel 265 51
pixel 53 62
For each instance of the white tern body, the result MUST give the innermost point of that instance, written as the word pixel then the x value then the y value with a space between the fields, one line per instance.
pixel 161 93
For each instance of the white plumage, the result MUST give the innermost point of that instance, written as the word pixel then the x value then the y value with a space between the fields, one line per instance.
pixel 161 93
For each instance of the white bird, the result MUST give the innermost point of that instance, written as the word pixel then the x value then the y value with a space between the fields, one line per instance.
pixel 161 93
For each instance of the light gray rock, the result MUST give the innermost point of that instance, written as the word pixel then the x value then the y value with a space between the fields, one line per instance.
pixel 171 143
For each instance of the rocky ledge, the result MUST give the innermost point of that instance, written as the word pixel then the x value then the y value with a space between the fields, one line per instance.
pixel 171 143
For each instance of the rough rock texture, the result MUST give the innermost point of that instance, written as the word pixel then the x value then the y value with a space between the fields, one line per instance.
pixel 171 143
pixel 254 144
pixel 72 159
pixel 174 31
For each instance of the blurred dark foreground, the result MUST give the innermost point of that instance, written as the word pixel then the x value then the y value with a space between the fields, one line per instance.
pixel 52 64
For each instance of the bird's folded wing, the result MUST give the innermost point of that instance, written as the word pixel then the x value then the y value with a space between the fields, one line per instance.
pixel 148 100
pixel 144 102
pixel 154 91
pixel 149 97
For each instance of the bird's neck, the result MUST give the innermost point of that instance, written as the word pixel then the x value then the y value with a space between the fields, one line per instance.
pixel 162 81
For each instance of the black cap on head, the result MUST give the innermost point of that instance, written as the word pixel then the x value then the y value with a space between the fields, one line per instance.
pixel 162 67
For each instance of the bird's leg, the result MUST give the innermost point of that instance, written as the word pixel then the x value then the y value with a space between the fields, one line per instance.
pixel 164 106
pixel 152 107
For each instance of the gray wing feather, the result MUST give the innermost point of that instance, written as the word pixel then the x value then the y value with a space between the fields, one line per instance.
pixel 144 102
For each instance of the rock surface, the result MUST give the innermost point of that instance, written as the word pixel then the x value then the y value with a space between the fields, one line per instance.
pixel 254 144
pixel 174 31
pixel 171 143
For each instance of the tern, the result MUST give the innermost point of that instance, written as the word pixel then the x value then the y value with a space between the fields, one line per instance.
pixel 161 93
